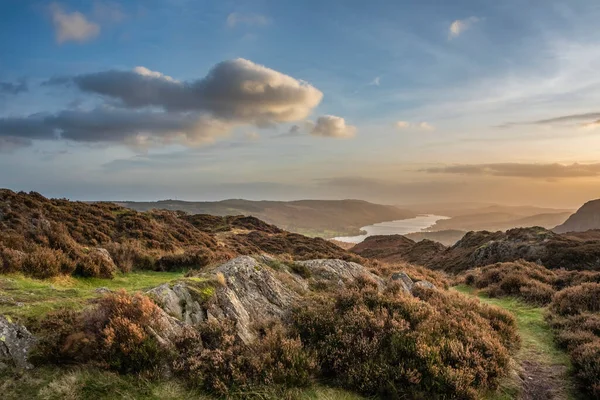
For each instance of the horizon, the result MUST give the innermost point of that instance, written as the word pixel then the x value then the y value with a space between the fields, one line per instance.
pixel 389 102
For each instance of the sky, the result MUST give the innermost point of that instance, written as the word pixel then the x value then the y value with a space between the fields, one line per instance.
pixel 394 102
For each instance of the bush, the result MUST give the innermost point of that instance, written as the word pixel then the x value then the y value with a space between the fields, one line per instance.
pixel 119 334
pixel 396 345
pixel 586 361
pixel 577 299
pixel 97 264
pixel 215 359
pixel 190 259
pixel 45 263
pixel 11 260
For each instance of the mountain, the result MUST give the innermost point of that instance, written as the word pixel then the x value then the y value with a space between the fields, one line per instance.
pixel 500 220
pixel 398 248
pixel 323 218
pixel 586 218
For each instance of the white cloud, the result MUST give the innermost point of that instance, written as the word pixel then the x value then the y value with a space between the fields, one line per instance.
pixel 426 126
pixel 376 81
pixel 423 126
pixel 332 126
pixel 152 74
pixel 234 19
pixel 402 124
pixel 72 26
pixel 461 25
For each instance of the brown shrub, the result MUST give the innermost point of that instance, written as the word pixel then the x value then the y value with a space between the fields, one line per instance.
pixel 586 361
pixel 11 260
pixel 96 264
pixel 215 359
pixel 118 334
pixel 190 259
pixel 399 345
pixel 577 299
pixel 45 263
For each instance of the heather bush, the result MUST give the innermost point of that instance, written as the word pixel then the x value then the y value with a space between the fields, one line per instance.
pixel 586 361
pixel 215 359
pixel 11 260
pixel 190 259
pixel 44 262
pixel 119 333
pixel 577 299
pixel 396 345
pixel 96 264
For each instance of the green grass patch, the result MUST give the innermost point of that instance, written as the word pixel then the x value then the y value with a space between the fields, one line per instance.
pixel 90 383
pixel 24 297
pixel 537 339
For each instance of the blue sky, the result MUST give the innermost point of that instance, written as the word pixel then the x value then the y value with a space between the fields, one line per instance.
pixel 391 101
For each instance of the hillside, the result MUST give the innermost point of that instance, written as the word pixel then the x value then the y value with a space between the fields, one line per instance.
pixel 45 237
pixel 447 237
pixel 499 221
pixel 586 218
pixel 323 218
pixel 573 251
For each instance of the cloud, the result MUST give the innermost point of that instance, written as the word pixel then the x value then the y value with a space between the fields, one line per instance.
pixel 138 129
pixel 376 81
pixel 13 88
pixel 461 25
pixel 11 143
pixel 72 26
pixel 560 120
pixel 591 125
pixel 234 19
pixel 422 126
pixel 332 126
pixel 237 90
pixel 519 170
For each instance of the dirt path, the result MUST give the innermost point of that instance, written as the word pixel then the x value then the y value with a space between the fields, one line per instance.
pixel 543 382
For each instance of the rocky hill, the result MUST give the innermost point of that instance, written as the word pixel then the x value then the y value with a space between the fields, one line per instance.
pixel 398 248
pixel 573 251
pixel 586 218
pixel 324 218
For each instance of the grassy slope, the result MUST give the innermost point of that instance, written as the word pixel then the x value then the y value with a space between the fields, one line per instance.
pixel 37 297
pixel 537 341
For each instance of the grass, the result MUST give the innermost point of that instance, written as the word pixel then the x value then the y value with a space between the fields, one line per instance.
pixel 87 383
pixel 37 297
pixel 537 340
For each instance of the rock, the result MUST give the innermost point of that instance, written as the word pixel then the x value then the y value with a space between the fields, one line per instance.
pixel 404 280
pixel 424 284
pixel 179 302
pixel 252 294
pixel 338 271
pixel 102 290
pixel 15 343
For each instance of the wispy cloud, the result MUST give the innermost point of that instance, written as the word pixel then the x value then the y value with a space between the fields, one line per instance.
pixel 72 26
pixel 461 25
pixel 234 19
pixel 422 126
pixel 519 170
pixel 13 87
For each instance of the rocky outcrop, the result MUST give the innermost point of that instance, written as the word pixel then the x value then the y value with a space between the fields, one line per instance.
pixel 248 290
pixel 398 248
pixel 15 343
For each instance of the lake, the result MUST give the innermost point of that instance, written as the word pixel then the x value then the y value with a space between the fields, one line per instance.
pixel 399 227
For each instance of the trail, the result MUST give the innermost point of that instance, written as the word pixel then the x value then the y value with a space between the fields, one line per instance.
pixel 542 370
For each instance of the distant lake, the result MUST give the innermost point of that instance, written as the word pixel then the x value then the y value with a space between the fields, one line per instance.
pixel 399 227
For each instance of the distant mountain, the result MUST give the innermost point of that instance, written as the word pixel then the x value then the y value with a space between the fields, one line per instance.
pixel 586 218
pixel 500 221
pixel 471 208
pixel 324 218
